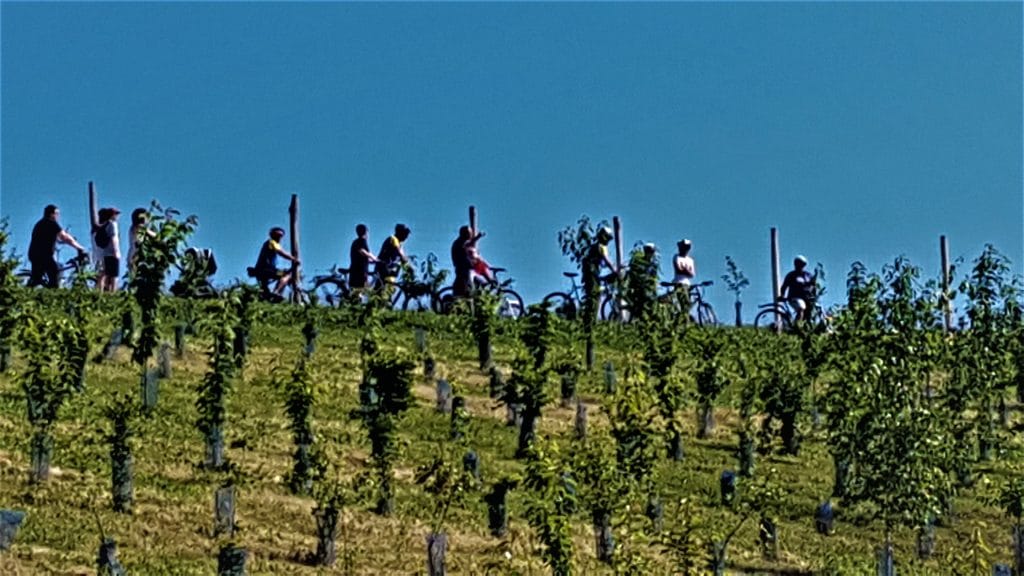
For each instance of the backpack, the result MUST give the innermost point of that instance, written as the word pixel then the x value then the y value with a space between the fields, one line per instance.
pixel 102 236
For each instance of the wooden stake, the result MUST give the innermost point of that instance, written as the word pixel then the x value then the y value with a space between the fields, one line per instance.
pixel 293 214
pixel 94 218
pixel 617 228
pixel 472 220
pixel 947 308
pixel 776 283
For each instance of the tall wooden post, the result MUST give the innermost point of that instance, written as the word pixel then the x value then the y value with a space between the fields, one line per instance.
pixel 94 219
pixel 617 228
pixel 472 220
pixel 293 214
pixel 947 307
pixel 776 283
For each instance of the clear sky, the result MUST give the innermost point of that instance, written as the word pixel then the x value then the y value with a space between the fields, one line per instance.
pixel 862 131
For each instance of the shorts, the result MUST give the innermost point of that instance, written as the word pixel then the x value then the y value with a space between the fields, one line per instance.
pixel 111 266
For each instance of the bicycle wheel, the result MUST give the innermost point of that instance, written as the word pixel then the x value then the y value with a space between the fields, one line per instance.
pixel 510 304
pixel 612 308
pixel 561 305
pixel 442 300
pixel 416 302
pixel 706 315
pixel 765 319
pixel 331 292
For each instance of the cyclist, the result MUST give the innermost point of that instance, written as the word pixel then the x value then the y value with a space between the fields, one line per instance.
pixel 462 261
pixel 683 265
pixel 45 235
pixel 798 288
pixel 266 269
pixel 107 243
pixel 392 255
pixel 360 258
pixel 596 258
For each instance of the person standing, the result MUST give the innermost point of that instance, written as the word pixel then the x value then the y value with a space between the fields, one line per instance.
pixel 45 235
pixel 683 265
pixel 462 262
pixel 108 249
pixel 360 258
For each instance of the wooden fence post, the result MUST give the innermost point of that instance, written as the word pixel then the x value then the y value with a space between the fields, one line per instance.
pixel 472 220
pixel 947 308
pixel 776 288
pixel 293 216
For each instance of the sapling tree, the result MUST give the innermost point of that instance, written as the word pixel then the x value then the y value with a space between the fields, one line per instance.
pixel 551 502
pixel 603 489
pixel 574 241
pixel 1011 500
pixel 244 299
pixel 448 481
pixel 633 417
pixel 736 281
pixel 219 320
pixel 51 342
pixel 685 540
pixel 9 295
pixel 537 334
pixel 154 256
pixel 641 285
pixel 122 413
pixel 388 380
pixel 660 337
pixel 991 298
pixel 332 495
pixel 710 374
pixel 483 327
pixel 299 396
pixel 750 374
pixel 905 447
pixel 529 385
pixel 783 393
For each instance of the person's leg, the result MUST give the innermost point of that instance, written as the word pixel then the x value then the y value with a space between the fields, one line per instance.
pixel 282 281
pixel 38 271
pixel 111 270
pixel 52 272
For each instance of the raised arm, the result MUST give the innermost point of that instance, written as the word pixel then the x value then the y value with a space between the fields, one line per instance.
pixel 66 238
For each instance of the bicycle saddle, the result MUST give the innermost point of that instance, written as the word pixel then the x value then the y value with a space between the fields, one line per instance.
pixel 496 270
pixel 570 274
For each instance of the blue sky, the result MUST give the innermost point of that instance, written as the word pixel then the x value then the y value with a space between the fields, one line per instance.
pixel 862 131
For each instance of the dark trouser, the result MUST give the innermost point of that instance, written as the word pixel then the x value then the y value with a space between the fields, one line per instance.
pixel 461 287
pixel 357 280
pixel 47 268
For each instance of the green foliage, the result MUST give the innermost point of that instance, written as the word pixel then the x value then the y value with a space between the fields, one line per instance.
pixel 575 239
pixel 734 278
pixel 388 380
pixel 448 481
pixel 123 413
pixel 219 320
pixel 52 345
pixel 603 485
pixel 10 290
pixel 686 541
pixel 155 254
pixel 528 386
pixel 633 415
pixel 538 333
pixel 641 285
pixel 551 501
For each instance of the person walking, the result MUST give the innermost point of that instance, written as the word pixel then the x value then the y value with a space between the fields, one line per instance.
pixel 107 253
pixel 360 259
pixel 45 235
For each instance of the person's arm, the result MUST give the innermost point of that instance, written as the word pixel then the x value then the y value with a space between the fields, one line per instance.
pixel 785 286
pixel 368 255
pixel 68 239
pixel 401 254
pixel 689 267
pixel 283 253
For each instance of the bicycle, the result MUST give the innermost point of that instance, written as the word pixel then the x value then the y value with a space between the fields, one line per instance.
pixel 510 303
pixel 567 305
pixel 331 289
pixel 702 313
pixel 787 315
pixel 77 264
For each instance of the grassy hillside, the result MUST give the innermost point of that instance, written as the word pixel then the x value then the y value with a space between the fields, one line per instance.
pixel 169 531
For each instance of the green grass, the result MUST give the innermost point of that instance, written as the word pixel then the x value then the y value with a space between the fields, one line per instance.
pixel 169 532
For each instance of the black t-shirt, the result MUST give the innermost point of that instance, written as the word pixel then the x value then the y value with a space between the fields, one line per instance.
pixel 359 263
pixel 460 260
pixel 44 240
pixel 800 285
